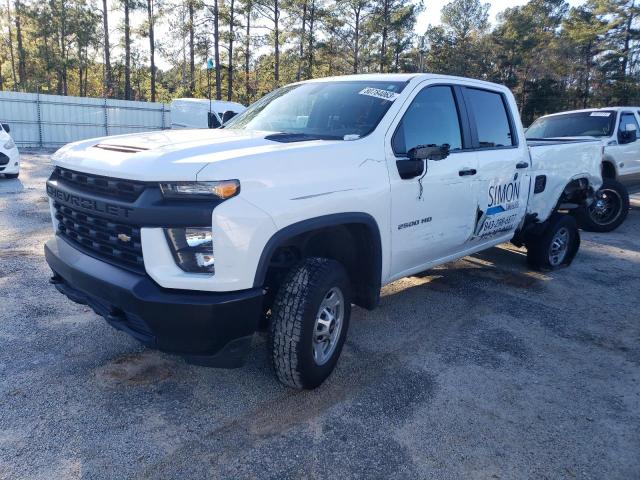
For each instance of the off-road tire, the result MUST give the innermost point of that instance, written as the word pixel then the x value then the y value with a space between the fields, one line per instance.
pixel 539 245
pixel 590 222
pixel 293 317
pixel 11 175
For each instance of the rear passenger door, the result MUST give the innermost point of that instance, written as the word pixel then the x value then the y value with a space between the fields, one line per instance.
pixel 503 166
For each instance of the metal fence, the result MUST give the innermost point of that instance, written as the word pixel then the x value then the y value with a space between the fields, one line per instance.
pixel 38 120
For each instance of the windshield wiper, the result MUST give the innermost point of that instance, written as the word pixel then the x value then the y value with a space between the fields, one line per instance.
pixel 288 137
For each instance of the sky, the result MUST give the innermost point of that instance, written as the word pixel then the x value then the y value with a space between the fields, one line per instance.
pixel 431 14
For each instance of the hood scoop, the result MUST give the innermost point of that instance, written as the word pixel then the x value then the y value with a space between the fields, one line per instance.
pixel 120 148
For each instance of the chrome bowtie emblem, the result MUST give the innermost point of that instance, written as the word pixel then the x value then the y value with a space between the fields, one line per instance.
pixel 123 237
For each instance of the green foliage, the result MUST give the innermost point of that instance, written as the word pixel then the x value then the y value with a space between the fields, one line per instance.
pixel 553 57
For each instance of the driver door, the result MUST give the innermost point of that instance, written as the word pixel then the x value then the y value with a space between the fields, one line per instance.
pixel 627 154
pixel 432 214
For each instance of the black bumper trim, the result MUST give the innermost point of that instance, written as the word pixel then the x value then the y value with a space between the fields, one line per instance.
pixel 207 328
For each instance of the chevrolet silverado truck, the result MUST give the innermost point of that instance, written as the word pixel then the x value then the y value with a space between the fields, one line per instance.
pixel 618 129
pixel 308 202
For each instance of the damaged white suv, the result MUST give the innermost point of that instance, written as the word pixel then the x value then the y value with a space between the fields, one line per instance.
pixel 308 202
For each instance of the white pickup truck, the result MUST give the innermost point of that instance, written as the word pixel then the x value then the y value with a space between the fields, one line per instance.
pixel 618 128
pixel 308 202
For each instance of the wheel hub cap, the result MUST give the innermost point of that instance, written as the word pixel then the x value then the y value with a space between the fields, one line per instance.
pixel 328 325
pixel 607 207
pixel 559 247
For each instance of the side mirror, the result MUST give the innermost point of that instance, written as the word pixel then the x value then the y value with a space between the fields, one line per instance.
pixel 429 152
pixel 228 115
pixel 6 128
pixel 212 120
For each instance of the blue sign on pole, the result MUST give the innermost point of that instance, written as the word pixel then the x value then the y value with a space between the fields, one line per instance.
pixel 209 63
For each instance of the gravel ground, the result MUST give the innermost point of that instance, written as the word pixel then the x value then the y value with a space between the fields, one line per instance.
pixel 478 369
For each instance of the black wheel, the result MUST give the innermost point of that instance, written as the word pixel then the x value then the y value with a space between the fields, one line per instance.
pixel 309 322
pixel 11 175
pixel 608 210
pixel 556 245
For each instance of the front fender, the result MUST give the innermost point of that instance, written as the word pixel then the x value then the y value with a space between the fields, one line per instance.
pixel 240 232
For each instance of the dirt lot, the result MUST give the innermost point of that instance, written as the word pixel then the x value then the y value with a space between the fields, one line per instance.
pixel 479 369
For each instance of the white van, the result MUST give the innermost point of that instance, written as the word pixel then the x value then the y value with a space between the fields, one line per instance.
pixel 202 113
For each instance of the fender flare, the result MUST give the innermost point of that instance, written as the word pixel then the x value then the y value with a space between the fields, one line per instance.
pixel 315 223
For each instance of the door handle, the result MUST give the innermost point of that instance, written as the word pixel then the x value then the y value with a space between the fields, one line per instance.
pixel 522 165
pixel 467 172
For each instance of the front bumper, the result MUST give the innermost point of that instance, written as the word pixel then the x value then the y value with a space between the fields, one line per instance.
pixel 13 159
pixel 207 328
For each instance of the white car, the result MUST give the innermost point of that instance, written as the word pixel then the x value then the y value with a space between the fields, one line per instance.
pixel 9 156
pixel 619 130
pixel 310 201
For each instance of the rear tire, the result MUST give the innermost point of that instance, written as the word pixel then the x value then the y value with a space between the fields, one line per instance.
pixel 309 322
pixel 608 211
pixel 556 245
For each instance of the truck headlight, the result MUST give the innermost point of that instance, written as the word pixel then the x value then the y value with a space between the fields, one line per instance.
pixel 192 248
pixel 10 144
pixel 205 190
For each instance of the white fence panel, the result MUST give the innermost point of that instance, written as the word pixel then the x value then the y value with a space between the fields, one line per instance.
pixel 54 120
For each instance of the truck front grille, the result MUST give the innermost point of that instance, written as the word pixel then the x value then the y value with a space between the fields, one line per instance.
pixel 114 242
pixel 126 190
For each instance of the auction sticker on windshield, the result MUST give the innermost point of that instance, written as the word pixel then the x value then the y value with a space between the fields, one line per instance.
pixel 379 93
pixel 600 114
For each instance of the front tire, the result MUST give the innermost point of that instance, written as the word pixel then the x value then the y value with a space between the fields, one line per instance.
pixel 608 210
pixel 556 245
pixel 11 175
pixel 309 322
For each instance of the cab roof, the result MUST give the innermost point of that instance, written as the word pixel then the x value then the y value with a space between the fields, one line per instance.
pixel 402 77
pixel 603 109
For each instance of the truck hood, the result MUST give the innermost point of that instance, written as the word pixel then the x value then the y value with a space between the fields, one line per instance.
pixel 176 155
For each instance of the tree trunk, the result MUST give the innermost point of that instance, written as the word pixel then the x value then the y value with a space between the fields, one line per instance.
pixel 22 69
pixel 63 46
pixel 276 41
pixel 356 38
pixel 247 56
pixel 152 47
pixel 312 19
pixel 230 69
pixel 383 47
pixel 107 53
pixel 587 75
pixel 302 35
pixel 626 52
pixel 216 49
pixel 11 54
pixel 127 52
pixel 192 51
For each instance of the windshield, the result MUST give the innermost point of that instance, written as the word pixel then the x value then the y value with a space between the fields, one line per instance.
pixel 581 124
pixel 331 110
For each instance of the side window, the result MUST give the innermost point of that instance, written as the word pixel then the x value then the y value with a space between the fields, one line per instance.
pixel 431 119
pixel 492 120
pixel 629 119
